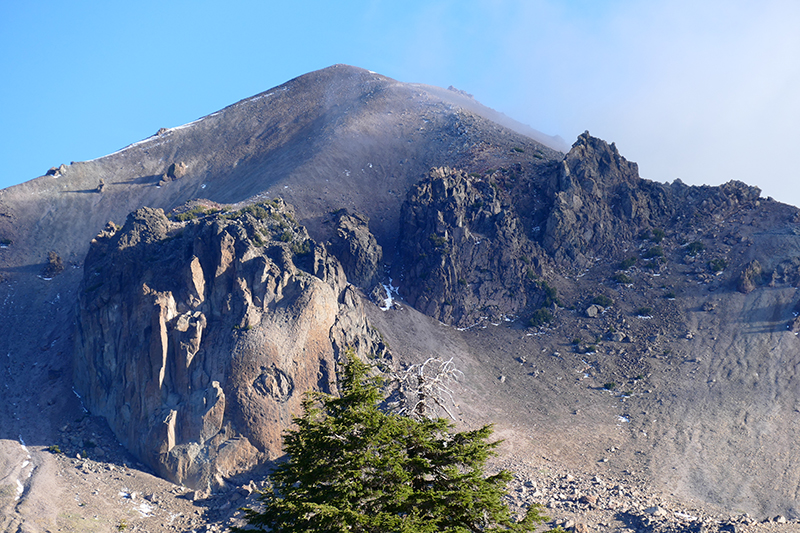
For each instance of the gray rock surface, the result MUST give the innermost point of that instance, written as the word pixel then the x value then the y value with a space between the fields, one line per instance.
pixel 216 327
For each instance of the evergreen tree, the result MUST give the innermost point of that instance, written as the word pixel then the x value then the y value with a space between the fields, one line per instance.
pixel 353 467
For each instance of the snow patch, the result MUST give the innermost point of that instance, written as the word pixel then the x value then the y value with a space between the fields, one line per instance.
pixel 85 410
pixel 145 509
pixel 391 290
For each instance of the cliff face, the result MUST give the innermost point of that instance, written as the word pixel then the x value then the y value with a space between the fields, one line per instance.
pixel 501 243
pixel 465 255
pixel 196 340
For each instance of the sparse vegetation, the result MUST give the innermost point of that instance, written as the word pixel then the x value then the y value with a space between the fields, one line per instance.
pixel 303 248
pixel 602 300
pixel 550 294
pixel 54 449
pixel 195 212
pixel 644 311
pixel 717 265
pixel 658 235
pixel 589 348
pixel 518 150
pixel 610 385
pixel 627 263
pixel 540 318
pixel 438 241
pixel 694 248
pixel 655 251
pixel 622 278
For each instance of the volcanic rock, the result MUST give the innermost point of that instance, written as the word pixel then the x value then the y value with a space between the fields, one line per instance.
pixel 216 327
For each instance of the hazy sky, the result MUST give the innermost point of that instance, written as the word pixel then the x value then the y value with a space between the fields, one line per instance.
pixel 705 91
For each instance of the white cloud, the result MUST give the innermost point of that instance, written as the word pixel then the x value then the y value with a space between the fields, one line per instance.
pixel 710 95
pixel 702 91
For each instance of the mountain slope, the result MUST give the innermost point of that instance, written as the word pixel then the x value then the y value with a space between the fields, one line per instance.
pixel 620 326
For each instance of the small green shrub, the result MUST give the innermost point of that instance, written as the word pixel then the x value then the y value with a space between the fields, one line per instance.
pixel 550 293
pixel 610 385
pixel 540 318
pixel 5 242
pixel 438 241
pixel 602 300
pixel 658 235
pixel 694 248
pixel 627 263
pixel 518 150
pixel 303 248
pixel 670 295
pixel 717 265
pixel 623 278
pixel 654 252
pixel 644 311
pixel 54 449
pixel 287 236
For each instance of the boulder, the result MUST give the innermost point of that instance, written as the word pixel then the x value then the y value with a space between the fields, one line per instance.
pixel 749 277
pixel 594 311
pixel 357 250
pixel 53 267
pixel 174 172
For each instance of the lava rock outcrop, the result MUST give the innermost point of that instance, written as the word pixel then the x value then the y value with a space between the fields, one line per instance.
pixel 196 340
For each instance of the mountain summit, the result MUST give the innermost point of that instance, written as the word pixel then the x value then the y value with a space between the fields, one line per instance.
pixel 174 300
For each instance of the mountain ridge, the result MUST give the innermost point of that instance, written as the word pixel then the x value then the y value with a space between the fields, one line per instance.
pixel 642 280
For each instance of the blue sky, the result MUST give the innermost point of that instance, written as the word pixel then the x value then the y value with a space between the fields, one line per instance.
pixel 704 91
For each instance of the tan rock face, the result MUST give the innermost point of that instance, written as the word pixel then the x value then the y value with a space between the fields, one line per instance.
pixel 197 340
